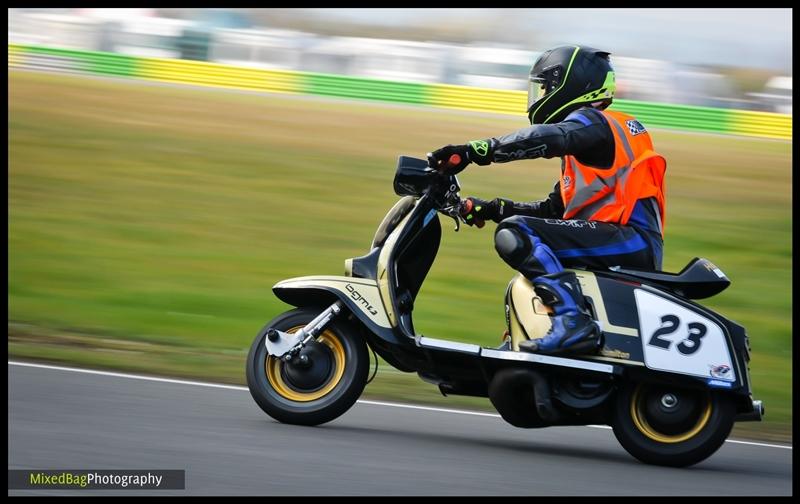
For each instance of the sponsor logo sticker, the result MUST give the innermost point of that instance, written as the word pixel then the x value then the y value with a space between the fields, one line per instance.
pixel 717 383
pixel 635 127
pixel 719 370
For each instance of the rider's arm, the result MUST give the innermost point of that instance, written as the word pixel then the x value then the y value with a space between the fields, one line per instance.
pixel 502 208
pixel 551 207
pixel 584 134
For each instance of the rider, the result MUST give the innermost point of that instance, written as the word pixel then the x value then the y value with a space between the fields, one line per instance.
pixel 606 210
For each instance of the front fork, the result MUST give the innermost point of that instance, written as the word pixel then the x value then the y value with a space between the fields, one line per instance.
pixel 286 345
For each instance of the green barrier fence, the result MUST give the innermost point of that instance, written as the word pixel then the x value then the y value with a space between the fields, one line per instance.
pixel 87 61
pixel 371 89
pixel 677 116
pixel 659 115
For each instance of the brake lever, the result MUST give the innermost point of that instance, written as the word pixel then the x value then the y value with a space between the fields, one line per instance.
pixel 454 211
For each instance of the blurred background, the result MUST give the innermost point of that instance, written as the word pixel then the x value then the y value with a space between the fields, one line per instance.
pixel 168 166
pixel 734 58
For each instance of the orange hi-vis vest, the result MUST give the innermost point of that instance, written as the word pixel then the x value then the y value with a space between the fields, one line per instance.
pixel 609 195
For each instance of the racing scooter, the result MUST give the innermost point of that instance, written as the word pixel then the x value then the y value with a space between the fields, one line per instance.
pixel 671 376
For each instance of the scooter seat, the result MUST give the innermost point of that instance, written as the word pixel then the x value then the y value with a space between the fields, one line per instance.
pixel 697 280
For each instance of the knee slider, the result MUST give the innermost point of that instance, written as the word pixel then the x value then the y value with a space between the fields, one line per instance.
pixel 512 246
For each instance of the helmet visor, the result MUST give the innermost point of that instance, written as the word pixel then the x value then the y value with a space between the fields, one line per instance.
pixel 537 87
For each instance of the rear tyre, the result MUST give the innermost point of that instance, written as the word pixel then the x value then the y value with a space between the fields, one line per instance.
pixel 318 390
pixel 669 426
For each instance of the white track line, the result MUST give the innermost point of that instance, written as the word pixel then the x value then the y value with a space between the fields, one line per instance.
pixel 428 408
pixel 130 376
pixel 361 401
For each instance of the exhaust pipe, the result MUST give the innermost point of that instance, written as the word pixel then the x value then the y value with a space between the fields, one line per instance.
pixel 541 394
pixel 522 397
pixel 752 416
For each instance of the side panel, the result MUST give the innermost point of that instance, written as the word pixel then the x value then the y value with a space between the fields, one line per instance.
pixel 383 271
pixel 680 340
pixel 405 259
pixel 530 318
pixel 677 336
pixel 668 333
pixel 614 308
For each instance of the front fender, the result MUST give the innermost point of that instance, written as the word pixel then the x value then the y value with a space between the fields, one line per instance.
pixel 360 295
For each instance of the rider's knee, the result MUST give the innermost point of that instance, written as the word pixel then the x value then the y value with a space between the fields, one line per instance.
pixel 512 244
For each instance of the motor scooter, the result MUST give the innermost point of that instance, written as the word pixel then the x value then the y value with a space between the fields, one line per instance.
pixel 671 376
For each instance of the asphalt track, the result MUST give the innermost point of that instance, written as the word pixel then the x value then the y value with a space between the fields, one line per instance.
pixel 71 419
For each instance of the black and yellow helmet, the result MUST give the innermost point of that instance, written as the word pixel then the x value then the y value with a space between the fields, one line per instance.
pixel 566 78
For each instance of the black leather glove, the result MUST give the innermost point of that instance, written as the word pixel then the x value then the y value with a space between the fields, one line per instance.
pixel 477 211
pixel 452 159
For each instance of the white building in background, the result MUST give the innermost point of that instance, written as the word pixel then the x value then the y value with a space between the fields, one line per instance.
pixel 150 37
pixel 126 31
pixel 494 67
pixel 777 95
pixel 276 49
pixel 645 79
pixel 707 89
pixel 54 30
pixel 399 60
pixel 115 14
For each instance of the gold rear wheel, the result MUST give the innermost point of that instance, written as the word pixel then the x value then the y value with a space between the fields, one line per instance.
pixel 665 417
pixel 671 425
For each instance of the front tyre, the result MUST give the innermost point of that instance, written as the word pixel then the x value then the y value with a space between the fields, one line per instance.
pixel 318 390
pixel 671 426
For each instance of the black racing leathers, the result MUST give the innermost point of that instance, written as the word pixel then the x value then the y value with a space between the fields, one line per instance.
pixel 586 135
pixel 552 207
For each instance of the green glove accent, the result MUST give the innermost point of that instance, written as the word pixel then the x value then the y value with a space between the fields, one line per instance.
pixel 480 152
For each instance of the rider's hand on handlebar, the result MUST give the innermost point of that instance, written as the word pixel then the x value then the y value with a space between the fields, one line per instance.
pixel 477 211
pixel 450 159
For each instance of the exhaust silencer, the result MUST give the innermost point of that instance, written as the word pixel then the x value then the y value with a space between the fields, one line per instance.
pixel 753 416
pixel 522 397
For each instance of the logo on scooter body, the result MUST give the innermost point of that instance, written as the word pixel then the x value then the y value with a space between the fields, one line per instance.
pixel 360 299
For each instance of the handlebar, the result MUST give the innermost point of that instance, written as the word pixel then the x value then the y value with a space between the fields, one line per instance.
pixel 421 178
pixel 454 160
pixel 466 208
pixel 448 200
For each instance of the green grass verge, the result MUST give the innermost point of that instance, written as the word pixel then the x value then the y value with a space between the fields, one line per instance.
pixel 161 216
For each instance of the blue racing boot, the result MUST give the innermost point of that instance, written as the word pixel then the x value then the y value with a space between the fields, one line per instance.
pixel 573 330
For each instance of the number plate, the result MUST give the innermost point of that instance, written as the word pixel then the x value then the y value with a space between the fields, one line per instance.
pixel 679 340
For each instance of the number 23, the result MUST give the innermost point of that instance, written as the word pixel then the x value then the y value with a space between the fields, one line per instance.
pixel 670 324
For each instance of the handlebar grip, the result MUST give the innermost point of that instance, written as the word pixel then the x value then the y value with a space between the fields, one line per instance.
pixel 466 206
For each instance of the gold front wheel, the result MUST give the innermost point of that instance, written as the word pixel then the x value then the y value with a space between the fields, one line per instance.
pixel 314 373
pixel 320 383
